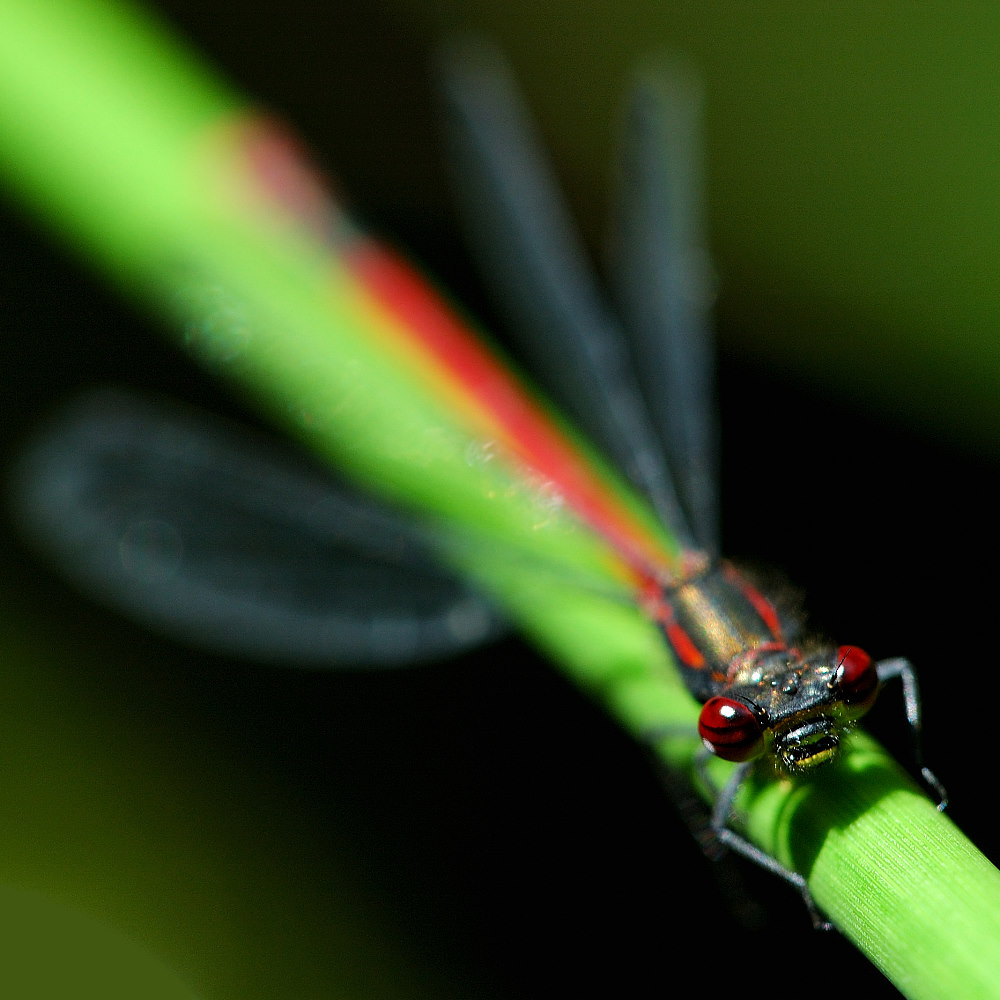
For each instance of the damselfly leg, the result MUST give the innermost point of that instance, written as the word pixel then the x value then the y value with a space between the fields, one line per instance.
pixel 901 668
pixel 722 813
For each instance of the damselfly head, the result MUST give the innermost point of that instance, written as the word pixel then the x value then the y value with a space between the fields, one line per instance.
pixel 803 747
pixel 795 708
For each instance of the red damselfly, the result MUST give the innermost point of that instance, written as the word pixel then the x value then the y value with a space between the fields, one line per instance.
pixel 221 543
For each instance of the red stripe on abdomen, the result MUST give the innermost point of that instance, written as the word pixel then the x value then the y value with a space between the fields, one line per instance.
pixel 496 402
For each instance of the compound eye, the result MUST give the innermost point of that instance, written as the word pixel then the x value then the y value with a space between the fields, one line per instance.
pixel 730 729
pixel 856 679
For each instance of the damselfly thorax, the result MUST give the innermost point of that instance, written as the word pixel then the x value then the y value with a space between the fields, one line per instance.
pixel 765 688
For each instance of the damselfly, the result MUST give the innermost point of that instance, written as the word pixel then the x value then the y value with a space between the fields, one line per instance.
pixel 219 543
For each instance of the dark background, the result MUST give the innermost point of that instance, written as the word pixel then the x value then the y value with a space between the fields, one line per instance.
pixel 506 832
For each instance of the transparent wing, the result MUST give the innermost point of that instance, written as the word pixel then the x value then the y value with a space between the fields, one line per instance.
pixel 662 275
pixel 221 540
pixel 536 266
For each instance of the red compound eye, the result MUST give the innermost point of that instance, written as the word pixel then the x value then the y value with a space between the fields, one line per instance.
pixel 856 680
pixel 730 729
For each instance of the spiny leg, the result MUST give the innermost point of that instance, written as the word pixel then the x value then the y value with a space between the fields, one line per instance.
pixel 722 812
pixel 900 667
pixel 716 822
